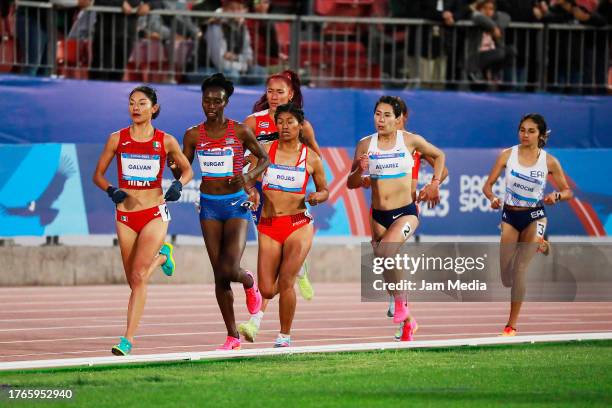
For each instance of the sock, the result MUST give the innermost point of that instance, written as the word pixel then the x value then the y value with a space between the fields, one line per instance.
pixel 302 272
pixel 284 336
pixel 256 318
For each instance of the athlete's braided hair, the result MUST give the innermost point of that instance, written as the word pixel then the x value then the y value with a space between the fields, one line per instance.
pixel 218 80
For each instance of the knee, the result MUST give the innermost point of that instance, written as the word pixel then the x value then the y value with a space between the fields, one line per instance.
pixel 285 283
pixel 267 291
pixel 138 277
pixel 229 270
pixel 222 282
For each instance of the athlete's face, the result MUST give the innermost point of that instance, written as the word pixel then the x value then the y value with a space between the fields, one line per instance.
pixel 385 120
pixel 288 127
pixel 278 93
pixel 141 108
pixel 529 133
pixel 213 103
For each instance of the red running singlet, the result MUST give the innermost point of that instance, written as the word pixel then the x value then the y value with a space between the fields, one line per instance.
pixel 416 156
pixel 265 128
pixel 140 164
pixel 220 158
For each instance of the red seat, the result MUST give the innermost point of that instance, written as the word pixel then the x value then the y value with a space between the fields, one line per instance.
pixel 148 62
pixel 345 53
pixel 283 35
pixel 73 58
pixel 342 7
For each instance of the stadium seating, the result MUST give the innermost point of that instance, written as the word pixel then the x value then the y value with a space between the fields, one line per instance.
pixel 147 61
pixel 73 58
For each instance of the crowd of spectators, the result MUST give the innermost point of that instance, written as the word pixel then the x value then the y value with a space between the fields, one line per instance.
pixel 247 50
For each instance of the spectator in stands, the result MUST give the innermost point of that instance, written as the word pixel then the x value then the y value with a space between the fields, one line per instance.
pixel 455 40
pixel 525 40
pixel 5 27
pixel 157 27
pixel 114 37
pixel 596 67
pixel 487 53
pixel 425 62
pixel 565 50
pixel 264 39
pixel 229 46
pixel 32 36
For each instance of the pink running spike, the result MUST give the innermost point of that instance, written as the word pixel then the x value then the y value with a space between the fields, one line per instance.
pixel 409 329
pixel 253 296
pixel 401 310
pixel 231 343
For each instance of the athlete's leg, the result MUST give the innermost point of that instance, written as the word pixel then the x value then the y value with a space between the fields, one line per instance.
pixel 145 249
pixel 392 240
pixel 529 240
pixel 295 250
pixel 269 256
pixel 212 230
pixel 228 270
pixel 507 251
pixel 268 260
pixel 395 236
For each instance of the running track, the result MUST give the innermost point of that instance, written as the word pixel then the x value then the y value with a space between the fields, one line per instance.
pixel 39 323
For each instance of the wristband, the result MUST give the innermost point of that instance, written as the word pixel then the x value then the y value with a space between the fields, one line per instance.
pixel 557 196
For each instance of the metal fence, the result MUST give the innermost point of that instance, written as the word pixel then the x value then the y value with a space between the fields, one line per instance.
pixel 184 46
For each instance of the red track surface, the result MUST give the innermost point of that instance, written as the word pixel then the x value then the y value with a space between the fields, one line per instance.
pixel 39 323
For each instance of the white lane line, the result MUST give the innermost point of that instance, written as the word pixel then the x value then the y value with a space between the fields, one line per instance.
pixel 332 348
pixel 429 336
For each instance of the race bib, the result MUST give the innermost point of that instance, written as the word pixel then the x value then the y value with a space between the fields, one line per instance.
pixel 216 162
pixel 139 167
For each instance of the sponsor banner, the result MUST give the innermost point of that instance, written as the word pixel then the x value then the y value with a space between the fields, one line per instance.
pixel 46 189
pixel 340 117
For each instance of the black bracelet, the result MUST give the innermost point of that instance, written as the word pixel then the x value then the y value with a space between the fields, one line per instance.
pixel 557 196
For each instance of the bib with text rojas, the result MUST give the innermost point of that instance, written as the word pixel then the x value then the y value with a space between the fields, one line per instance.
pixel 393 163
pixel 216 162
pixel 140 167
pixel 283 177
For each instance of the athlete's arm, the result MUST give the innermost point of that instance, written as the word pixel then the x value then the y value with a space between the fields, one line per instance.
pixel 360 163
pixel 190 139
pixel 431 192
pixel 104 161
pixel 183 166
pixel 318 176
pixel 248 140
pixel 427 149
pixel 487 189
pixel 308 135
pixel 565 192
pixel 431 162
